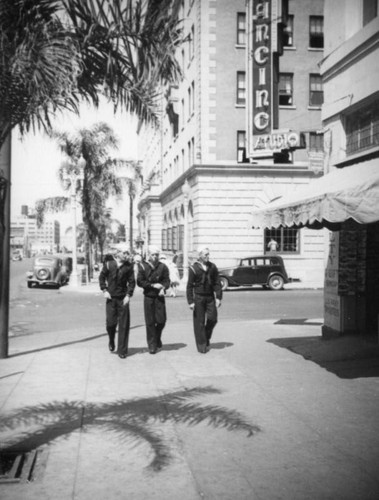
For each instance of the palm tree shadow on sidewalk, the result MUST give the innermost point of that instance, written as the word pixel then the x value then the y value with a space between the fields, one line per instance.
pixel 132 421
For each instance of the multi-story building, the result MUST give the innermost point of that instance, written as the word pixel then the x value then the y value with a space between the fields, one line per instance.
pixel 350 114
pixel 346 199
pixel 200 185
pixel 27 235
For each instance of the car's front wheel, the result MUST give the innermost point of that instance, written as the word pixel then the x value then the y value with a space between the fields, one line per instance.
pixel 276 282
pixel 224 283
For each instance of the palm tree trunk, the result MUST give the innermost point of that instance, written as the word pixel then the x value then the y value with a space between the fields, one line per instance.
pixel 5 224
pixel 131 200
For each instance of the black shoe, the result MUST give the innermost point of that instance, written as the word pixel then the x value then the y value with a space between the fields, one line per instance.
pixel 111 345
pixel 202 350
pixel 152 351
pixel 122 356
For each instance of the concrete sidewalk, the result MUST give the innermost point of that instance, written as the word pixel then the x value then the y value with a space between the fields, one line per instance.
pixel 271 412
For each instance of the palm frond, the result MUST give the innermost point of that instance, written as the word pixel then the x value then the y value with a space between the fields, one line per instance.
pixel 50 205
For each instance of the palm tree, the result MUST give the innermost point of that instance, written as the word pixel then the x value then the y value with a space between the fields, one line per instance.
pixel 100 178
pixel 132 419
pixel 132 181
pixel 55 53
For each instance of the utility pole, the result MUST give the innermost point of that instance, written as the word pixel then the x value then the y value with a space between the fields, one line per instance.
pixel 5 224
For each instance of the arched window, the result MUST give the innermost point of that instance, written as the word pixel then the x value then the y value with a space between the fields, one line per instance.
pixel 190 226
pixel 175 231
pixel 164 233
pixel 181 230
pixel 169 232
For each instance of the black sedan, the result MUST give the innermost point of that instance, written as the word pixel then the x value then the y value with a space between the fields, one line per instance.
pixel 266 270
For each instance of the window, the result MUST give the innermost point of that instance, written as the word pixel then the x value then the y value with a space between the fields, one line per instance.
pixel 191 46
pixel 287 239
pixel 362 129
pixel 174 241
pixel 285 89
pixel 316 93
pixel 316 142
pixel 241 28
pixel 181 238
pixel 241 146
pixel 193 97
pixel 288 32
pixel 164 239
pixel 183 112
pixel 370 11
pixel 169 238
pixel 241 87
pixel 316 32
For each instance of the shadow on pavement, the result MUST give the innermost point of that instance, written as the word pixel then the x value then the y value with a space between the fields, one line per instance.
pixel 221 345
pixel 298 321
pixel 134 421
pixel 64 344
pixel 348 357
pixel 143 350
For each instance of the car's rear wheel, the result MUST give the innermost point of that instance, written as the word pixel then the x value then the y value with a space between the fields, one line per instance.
pixel 276 282
pixel 224 283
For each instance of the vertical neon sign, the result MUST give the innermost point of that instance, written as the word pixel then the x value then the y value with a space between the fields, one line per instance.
pixel 260 72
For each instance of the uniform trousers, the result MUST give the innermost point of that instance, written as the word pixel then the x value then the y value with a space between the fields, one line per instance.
pixel 204 320
pixel 118 314
pixel 155 319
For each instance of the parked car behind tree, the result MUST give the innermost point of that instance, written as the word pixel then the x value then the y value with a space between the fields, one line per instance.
pixel 48 270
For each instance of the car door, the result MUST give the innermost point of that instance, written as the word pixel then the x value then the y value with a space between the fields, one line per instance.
pixel 261 270
pixel 243 274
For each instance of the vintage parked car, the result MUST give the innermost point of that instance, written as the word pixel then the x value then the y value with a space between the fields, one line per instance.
pixel 16 255
pixel 265 270
pixel 47 270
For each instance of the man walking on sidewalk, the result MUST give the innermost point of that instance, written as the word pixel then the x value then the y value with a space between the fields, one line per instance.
pixel 204 295
pixel 153 277
pixel 117 283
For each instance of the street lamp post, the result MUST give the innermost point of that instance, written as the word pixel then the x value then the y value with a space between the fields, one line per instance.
pixel 73 174
pixel 185 190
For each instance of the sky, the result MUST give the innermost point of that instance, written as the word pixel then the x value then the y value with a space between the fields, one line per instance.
pixel 36 158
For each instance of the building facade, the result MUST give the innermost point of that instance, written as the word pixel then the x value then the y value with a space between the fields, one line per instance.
pixel 200 185
pixel 31 239
pixel 350 114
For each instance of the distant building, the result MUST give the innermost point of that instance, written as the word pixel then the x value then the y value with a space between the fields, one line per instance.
pixel 200 184
pixel 31 239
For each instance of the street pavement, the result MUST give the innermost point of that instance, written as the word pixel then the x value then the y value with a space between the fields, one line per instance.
pixel 270 412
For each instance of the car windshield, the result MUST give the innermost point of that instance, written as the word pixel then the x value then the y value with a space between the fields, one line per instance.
pixel 46 261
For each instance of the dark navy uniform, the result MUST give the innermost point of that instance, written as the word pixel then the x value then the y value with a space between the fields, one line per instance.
pixel 119 282
pixel 154 301
pixel 203 287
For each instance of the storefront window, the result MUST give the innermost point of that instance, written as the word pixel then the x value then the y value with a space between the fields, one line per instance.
pixel 282 240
